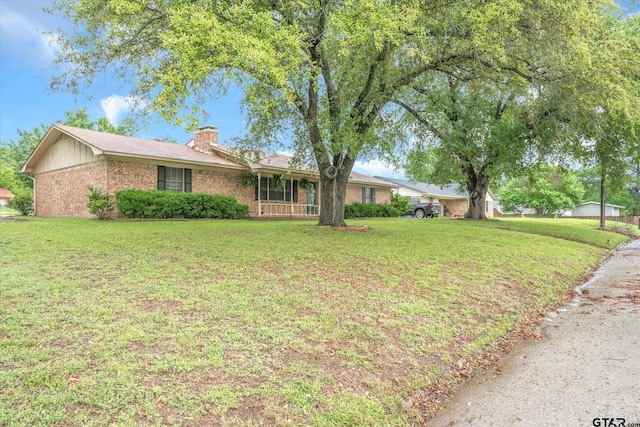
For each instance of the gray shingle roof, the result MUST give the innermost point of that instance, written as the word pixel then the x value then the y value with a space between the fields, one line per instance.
pixel 430 189
pixel 224 156
pixel 365 179
pixel 127 145
pixel 282 161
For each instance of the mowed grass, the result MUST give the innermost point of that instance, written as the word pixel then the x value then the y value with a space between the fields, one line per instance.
pixel 8 211
pixel 248 323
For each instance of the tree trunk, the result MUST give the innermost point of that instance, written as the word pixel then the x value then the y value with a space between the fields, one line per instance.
pixel 477 186
pixel 333 192
pixel 602 201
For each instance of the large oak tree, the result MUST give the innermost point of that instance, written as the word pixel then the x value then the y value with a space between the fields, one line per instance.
pixel 321 71
pixel 465 132
pixel 485 123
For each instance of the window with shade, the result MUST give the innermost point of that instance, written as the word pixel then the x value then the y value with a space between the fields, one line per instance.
pixel 174 179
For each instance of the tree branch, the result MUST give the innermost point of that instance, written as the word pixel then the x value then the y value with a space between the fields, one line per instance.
pixel 421 119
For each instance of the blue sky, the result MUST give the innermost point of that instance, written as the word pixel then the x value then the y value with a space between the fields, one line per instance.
pixel 26 56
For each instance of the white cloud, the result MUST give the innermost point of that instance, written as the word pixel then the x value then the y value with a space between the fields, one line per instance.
pixel 21 36
pixel 115 105
pixel 377 167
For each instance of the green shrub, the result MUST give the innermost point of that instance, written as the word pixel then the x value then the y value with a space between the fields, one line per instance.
pixel 100 203
pixel 22 201
pixel 370 210
pixel 401 203
pixel 167 204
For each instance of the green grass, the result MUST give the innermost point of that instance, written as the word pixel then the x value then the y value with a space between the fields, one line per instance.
pixel 8 211
pixel 246 323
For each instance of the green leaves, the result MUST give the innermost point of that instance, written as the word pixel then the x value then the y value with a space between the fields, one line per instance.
pixel 546 189
pixel 320 76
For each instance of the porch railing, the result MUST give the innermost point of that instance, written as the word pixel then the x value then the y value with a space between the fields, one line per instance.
pixel 287 209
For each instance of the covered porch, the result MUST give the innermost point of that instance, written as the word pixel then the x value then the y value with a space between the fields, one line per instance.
pixel 287 196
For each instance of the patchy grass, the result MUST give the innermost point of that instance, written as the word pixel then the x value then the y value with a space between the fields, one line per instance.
pixel 8 211
pixel 246 323
pixel 579 230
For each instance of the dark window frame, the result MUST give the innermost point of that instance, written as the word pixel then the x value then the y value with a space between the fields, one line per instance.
pixel 186 186
pixel 368 195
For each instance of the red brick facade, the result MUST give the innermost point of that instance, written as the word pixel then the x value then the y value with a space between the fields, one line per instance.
pixel 456 207
pixel 125 175
pixel 64 192
pixel 218 182
pixel 68 159
pixel 354 194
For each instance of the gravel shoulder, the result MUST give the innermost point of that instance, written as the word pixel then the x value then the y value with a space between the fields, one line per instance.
pixel 586 366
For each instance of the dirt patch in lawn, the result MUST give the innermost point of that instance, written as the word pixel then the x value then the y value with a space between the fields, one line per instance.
pixel 11 218
pixel 362 229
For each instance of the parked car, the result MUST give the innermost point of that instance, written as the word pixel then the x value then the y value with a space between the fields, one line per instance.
pixel 425 209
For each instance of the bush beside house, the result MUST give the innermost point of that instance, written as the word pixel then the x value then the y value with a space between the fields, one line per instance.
pixel 166 204
pixel 22 201
pixel 100 203
pixel 370 210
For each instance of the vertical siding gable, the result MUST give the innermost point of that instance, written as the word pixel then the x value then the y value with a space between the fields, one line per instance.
pixel 64 153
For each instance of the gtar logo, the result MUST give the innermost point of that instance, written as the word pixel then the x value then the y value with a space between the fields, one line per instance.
pixel 609 422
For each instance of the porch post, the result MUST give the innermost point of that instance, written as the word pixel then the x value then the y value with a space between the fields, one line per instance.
pixel 319 195
pixel 291 193
pixel 259 194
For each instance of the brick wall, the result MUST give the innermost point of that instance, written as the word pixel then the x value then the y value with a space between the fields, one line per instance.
pixel 124 175
pixel 354 194
pixel 456 207
pixel 383 195
pixel 142 176
pixel 64 192
pixel 228 183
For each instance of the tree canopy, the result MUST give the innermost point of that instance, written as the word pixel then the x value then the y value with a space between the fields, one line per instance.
pixel 320 74
pixel 482 126
pixel 472 133
pixel 546 189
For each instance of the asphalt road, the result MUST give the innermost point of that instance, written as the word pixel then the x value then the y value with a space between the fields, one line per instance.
pixel 585 368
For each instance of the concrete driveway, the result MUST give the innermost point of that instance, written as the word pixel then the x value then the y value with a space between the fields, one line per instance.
pixel 584 372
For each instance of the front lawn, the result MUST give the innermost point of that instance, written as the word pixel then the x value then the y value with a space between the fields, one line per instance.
pixel 8 211
pixel 246 323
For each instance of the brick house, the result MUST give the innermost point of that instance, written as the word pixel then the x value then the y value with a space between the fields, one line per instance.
pixel 67 159
pixel 454 201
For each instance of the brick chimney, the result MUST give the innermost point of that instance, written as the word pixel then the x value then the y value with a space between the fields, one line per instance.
pixel 205 137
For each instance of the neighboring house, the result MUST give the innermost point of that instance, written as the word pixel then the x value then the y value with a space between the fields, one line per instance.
pixel 593 209
pixel 5 197
pixel 454 201
pixel 519 212
pixel 67 159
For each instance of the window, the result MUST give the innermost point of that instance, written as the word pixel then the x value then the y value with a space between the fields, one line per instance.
pixel 268 191
pixel 174 179
pixel 368 195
